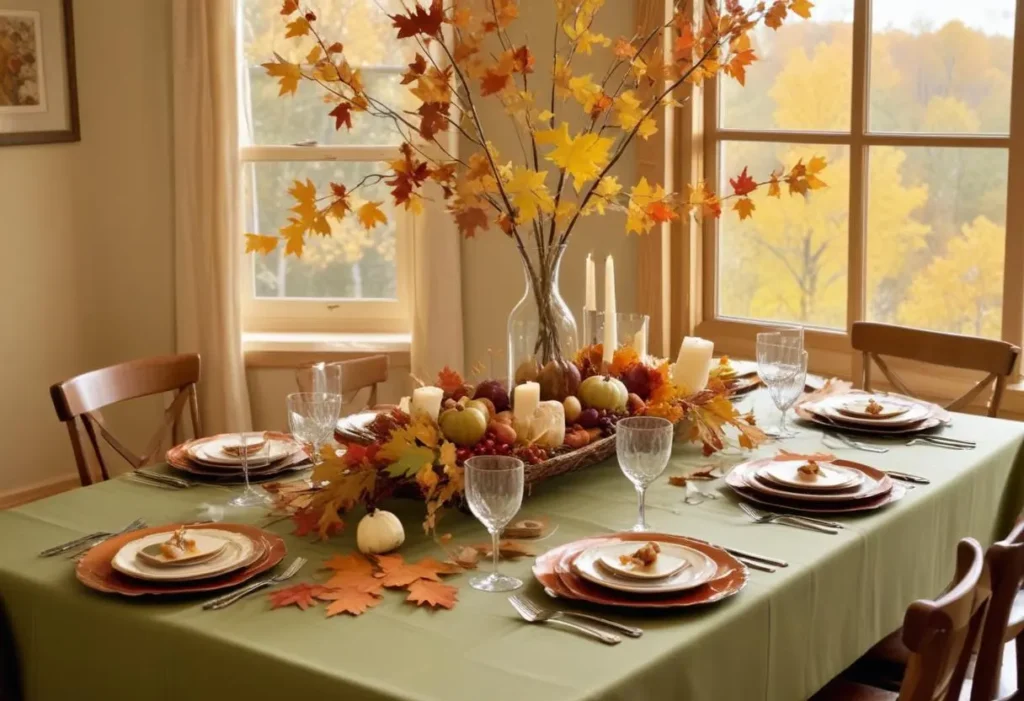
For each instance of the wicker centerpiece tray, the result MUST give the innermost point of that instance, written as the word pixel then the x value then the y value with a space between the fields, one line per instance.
pixel 572 461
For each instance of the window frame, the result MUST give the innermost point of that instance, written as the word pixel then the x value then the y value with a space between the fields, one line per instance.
pixel 326 315
pixel 737 335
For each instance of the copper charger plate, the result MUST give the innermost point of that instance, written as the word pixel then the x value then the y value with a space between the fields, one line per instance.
pixel 554 570
pixel 178 458
pixel 937 417
pixel 95 571
pixel 744 475
pixel 742 385
pixel 895 492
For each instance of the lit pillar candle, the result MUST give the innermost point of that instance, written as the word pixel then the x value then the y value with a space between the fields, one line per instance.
pixel 693 364
pixel 525 398
pixel 591 300
pixel 611 331
pixel 404 405
pixel 426 400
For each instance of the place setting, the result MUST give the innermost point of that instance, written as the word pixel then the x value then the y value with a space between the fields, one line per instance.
pixel 812 484
pixel 236 457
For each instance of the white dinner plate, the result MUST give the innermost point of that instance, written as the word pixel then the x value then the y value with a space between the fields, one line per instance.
pixel 206 548
pixel 211 451
pixel 867 489
pixel 700 569
pixel 238 552
pixel 665 565
pixel 857 407
pixel 830 476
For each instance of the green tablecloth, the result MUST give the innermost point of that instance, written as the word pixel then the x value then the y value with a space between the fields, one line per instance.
pixel 783 637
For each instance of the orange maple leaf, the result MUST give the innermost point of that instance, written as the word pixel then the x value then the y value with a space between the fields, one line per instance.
pixel 623 359
pixel 660 212
pixel 348 600
pixel 420 21
pixel 471 220
pixel 743 184
pixel 308 521
pixel 449 380
pixel 353 571
pixel 435 594
pixel 289 7
pixel 744 207
pixel 302 595
pixel 493 82
pixel 623 48
pixel 396 573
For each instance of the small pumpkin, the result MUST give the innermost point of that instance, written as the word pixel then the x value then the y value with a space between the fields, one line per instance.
pixel 463 425
pixel 379 532
pixel 602 392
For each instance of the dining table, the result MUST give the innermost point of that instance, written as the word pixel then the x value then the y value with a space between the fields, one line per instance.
pixel 782 637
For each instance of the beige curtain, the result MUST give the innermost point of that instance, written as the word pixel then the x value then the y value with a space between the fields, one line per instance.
pixel 437 291
pixel 208 231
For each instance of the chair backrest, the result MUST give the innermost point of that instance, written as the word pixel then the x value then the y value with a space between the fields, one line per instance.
pixel 996 358
pixel 1005 561
pixel 355 375
pixel 82 398
pixel 940 634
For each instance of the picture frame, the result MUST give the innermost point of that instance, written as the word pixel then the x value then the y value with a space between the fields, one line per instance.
pixel 38 84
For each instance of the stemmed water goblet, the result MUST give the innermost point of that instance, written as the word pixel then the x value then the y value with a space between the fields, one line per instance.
pixel 783 370
pixel 494 492
pixel 312 417
pixel 643 445
pixel 250 496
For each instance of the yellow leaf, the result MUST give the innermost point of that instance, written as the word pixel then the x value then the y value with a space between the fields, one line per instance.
pixel 648 128
pixel 305 198
pixel 801 7
pixel 297 28
pixel 606 189
pixel 627 110
pixel 287 74
pixel 545 115
pixel 446 455
pixel 320 225
pixel 816 164
pixel 370 215
pixel 640 197
pixel 258 243
pixel 314 54
pixel 529 193
pixel 744 207
pixel 585 91
pixel 583 156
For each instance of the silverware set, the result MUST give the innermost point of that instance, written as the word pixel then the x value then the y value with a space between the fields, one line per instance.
pixel 806 522
pixel 228 599
pixel 80 545
pixel 532 613
pixel 856 445
pixel 159 479
pixel 907 477
pixel 937 441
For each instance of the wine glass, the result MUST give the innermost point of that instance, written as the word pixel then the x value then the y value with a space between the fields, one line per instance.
pixel 643 445
pixel 494 491
pixel 250 496
pixel 312 417
pixel 783 370
pixel 790 336
pixel 321 378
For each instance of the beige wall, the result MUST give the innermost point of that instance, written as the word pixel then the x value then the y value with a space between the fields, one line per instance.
pixel 88 279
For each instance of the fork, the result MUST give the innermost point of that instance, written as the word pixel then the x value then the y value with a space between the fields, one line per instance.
pixel 160 478
pixel 758 516
pixel 228 599
pixel 544 614
pixel 856 445
pixel 84 547
pixel 531 614
pixel 940 444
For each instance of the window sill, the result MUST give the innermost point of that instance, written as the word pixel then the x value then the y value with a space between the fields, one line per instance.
pixel 288 350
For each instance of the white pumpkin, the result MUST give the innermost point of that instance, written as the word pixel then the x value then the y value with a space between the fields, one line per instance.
pixel 547 425
pixel 379 532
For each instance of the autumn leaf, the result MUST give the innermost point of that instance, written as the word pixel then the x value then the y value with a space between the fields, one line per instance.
pixel 623 48
pixel 289 7
pixel 742 56
pixel 744 207
pixel 420 21
pixel 302 595
pixel 258 243
pixel 396 573
pixel 622 360
pixel 801 7
pixel 660 212
pixel 449 380
pixel 470 221
pixel 743 184
pixel 370 215
pixel 288 75
pixel 417 68
pixel 297 28
pixel 350 600
pixel 582 156
pixel 353 571
pixel 342 114
pixel 775 14
pixel 507 549
pixel 434 594
pixel 308 521
pixel 529 194
pixel 493 82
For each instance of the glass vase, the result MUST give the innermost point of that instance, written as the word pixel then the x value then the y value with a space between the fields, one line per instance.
pixel 542 331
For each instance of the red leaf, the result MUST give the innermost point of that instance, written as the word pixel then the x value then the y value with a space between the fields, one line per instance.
pixel 522 60
pixel 660 212
pixel 417 68
pixel 743 184
pixel 433 118
pixel 493 82
pixel 342 115
pixel 308 521
pixel 420 21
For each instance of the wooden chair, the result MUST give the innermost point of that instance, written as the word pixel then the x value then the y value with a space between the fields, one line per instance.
pixel 940 636
pixel 997 358
pixel 1005 619
pixel 83 397
pixel 356 375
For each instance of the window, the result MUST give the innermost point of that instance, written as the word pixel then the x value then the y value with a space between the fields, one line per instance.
pixel 353 280
pixel 910 101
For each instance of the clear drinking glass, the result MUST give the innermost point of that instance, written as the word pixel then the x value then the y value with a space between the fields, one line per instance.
pixel 312 417
pixel 783 370
pixel 643 444
pixel 250 496
pixel 494 491
pixel 320 378
pixel 790 336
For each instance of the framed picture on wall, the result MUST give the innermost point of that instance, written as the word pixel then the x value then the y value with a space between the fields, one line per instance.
pixel 38 93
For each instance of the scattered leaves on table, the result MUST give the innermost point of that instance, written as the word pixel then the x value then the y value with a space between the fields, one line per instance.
pixel 396 573
pixel 433 594
pixel 302 595
pixel 703 474
pixel 353 571
pixel 348 600
pixel 507 550
pixel 309 521
pixel 465 557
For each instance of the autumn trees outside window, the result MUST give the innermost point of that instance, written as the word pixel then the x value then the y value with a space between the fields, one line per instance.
pixel 910 101
pixel 351 280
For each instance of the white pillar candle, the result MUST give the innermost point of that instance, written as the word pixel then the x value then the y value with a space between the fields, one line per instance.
pixel 525 398
pixel 640 342
pixel 611 330
pixel 403 405
pixel 693 364
pixel 591 299
pixel 426 400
